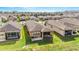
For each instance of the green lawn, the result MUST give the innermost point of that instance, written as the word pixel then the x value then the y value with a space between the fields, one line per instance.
pixel 56 45
pixel 9 45
pixel 64 46
pixel 15 44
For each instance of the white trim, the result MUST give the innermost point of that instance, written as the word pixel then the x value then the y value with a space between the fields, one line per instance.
pixel 36 39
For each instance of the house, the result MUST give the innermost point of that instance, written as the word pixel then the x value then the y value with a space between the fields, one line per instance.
pixel 33 18
pixel 22 18
pixel 65 27
pixel 56 17
pixel 45 17
pixel 3 18
pixel 57 26
pixel 73 23
pixel 37 30
pixel 12 18
pixel 9 31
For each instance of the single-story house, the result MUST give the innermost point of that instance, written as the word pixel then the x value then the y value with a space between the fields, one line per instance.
pixel 3 18
pixel 22 18
pixel 9 31
pixel 33 18
pixel 37 30
pixel 56 17
pixel 12 18
pixel 64 26
pixel 73 23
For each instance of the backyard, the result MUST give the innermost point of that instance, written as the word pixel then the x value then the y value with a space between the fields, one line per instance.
pixel 57 45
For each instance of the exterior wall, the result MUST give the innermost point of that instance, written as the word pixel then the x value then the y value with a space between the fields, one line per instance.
pixel 35 34
pixel 2 36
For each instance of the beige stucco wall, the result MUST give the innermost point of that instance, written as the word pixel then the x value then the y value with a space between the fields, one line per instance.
pixel 2 36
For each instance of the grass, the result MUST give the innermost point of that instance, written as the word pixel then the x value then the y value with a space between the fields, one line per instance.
pixel 13 45
pixel 56 38
pixel 65 46
pixel 9 45
pixel 57 45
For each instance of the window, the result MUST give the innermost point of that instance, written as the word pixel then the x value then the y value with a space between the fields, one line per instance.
pixel 78 31
pixel 46 33
pixel 12 34
pixel 74 32
pixel 68 32
pixel 36 33
pixel 1 34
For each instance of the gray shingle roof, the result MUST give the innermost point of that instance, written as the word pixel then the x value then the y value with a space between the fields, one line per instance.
pixel 56 23
pixel 59 24
pixel 9 27
pixel 34 26
pixel 37 27
pixel 46 29
pixel 73 21
pixel 15 24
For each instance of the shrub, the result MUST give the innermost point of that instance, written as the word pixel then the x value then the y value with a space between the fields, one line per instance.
pixel 27 18
pixel 4 20
pixel 18 18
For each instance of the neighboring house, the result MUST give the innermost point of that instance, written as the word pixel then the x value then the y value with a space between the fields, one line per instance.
pixel 12 18
pixel 37 30
pixel 45 17
pixel 64 26
pixel 33 18
pixel 57 26
pixel 3 18
pixel 9 31
pixel 22 18
pixel 56 17
pixel 73 23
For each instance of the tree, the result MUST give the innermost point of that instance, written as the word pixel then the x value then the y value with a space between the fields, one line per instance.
pixel 18 18
pixel 4 20
pixel 27 18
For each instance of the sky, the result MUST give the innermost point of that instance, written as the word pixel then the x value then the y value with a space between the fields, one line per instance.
pixel 39 9
pixel 39 5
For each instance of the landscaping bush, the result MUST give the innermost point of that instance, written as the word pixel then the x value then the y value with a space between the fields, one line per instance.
pixel 27 18
pixel 18 18
pixel 4 20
